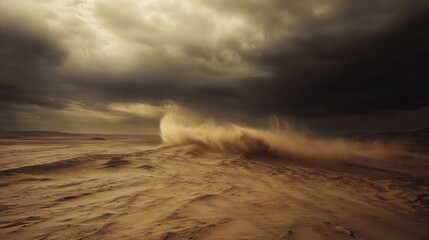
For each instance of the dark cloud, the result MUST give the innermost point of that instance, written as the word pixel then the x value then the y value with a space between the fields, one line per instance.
pixel 26 62
pixel 317 62
pixel 386 70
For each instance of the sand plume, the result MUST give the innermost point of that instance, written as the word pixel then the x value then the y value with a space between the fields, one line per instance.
pixel 278 140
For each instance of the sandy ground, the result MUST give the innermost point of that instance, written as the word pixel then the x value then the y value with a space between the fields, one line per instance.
pixel 137 188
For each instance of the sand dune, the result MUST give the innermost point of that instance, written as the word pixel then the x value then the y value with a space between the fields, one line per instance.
pixel 138 188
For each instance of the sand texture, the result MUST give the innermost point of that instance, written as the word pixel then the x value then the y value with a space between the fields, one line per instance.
pixel 139 188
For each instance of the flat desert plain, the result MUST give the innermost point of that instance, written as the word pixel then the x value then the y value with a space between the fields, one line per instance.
pixel 136 187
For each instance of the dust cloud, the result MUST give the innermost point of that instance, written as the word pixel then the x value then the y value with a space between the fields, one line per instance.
pixel 279 140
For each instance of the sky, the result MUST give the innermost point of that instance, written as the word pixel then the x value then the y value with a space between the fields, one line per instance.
pixel 98 66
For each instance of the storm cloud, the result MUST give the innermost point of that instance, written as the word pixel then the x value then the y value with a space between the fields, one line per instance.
pixel 100 65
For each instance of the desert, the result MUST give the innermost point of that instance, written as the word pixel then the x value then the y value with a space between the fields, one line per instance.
pixel 137 187
pixel 214 119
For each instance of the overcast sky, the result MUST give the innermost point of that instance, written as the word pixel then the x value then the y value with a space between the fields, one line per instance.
pixel 117 66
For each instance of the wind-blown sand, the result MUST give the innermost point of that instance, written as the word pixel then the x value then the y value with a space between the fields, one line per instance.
pixel 138 188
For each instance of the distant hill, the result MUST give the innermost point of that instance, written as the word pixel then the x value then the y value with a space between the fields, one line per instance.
pixel 98 139
pixel 417 137
pixel 54 134
pixel 18 134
